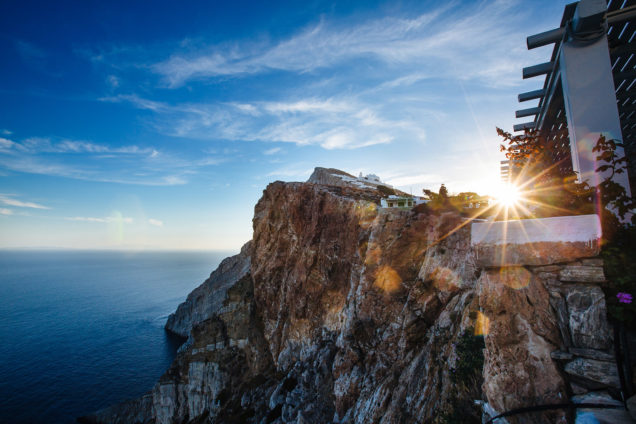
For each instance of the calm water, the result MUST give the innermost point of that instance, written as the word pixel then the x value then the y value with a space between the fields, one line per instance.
pixel 83 330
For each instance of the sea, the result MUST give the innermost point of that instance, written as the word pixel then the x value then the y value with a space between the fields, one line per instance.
pixel 82 330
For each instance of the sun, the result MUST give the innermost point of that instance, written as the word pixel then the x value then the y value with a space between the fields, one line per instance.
pixel 508 195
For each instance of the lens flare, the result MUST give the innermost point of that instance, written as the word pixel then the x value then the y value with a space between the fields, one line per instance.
pixel 509 195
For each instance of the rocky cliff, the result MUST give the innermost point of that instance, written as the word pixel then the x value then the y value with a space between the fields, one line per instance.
pixel 338 311
pixel 207 299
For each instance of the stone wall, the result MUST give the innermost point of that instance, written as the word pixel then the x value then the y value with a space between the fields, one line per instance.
pixel 548 339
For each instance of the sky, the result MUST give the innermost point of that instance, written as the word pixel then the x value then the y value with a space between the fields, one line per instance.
pixel 158 124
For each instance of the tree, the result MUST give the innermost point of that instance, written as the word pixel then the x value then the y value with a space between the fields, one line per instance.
pixel 443 192
pixel 429 194
pixel 549 184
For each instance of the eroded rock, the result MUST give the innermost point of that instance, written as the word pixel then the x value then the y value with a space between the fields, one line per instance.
pixel 594 374
pixel 518 369
pixel 582 274
pixel 588 317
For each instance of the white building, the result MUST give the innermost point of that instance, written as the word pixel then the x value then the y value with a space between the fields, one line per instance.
pixel 402 202
pixel 372 178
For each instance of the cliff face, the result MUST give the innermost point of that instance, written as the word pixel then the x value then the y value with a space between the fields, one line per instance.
pixel 340 312
pixel 205 300
pixel 332 270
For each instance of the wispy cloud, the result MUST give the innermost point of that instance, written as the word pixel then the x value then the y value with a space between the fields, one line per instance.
pixel 6 144
pixel 467 41
pixel 5 211
pixel 106 220
pixel 318 46
pixel 113 81
pixel 155 222
pixel 5 132
pixel 46 145
pixel 10 201
pixel 296 171
pixel 330 123
pixel 90 161
pixel 272 151
pixel 326 106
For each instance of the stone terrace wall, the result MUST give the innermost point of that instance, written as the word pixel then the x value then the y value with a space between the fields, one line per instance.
pixel 547 338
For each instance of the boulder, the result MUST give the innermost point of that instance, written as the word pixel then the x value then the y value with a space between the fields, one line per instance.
pixel 582 274
pixel 592 354
pixel 597 373
pixel 588 321
pixel 558 355
pixel 518 368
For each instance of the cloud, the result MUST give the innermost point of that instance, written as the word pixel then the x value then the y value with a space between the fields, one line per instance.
pixel 155 222
pixel 5 211
pixel 335 105
pixel 107 220
pixel 113 81
pixel 36 145
pixel 292 172
pixel 5 132
pixel 332 123
pixel 126 175
pixel 457 40
pixel 141 103
pixel 305 106
pixel 320 45
pixel 84 160
pixel 272 151
pixel 6 144
pixel 18 203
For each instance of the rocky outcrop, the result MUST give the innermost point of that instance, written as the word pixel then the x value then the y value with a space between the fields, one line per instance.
pixel 588 323
pixel 337 178
pixel 205 300
pixel 521 335
pixel 330 176
pixel 339 311
pixel 374 282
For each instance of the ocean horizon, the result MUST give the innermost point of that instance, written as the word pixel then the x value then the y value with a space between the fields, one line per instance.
pixel 83 329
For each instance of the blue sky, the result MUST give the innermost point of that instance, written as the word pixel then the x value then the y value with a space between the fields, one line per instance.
pixel 156 124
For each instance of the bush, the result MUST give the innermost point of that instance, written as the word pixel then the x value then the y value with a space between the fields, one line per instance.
pixel 467 380
pixel 470 358
pixel 620 269
pixel 386 190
